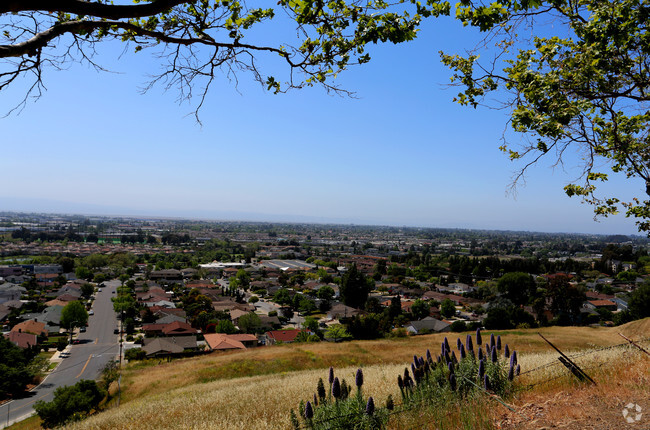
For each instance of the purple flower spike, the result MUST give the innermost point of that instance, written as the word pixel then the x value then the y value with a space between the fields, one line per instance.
pixel 416 360
pixel 506 351
pixel 359 378
pixel 447 344
pixel 492 340
pixel 486 382
pixel 442 349
pixel 331 375
pixel 452 382
pixel 468 343
pixel 309 411
pixel 315 400
pixel 511 373
pixel 458 343
pixel 478 336
pixel 518 371
pixel 499 343
pixel 462 352
pixel 336 388
pixel 429 355
pixel 480 353
pixel 370 406
pixel 513 358
pixel 481 369
pixel 494 357
pixel 450 366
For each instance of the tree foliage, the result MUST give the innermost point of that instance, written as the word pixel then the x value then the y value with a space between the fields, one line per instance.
pixel 315 40
pixel 580 85
pixel 355 287
pixel 517 286
pixel 70 403
pixel 74 315
pixel 14 368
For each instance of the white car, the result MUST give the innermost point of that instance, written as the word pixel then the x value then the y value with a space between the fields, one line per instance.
pixel 91 312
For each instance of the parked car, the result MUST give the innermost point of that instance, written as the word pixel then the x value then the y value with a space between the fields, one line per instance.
pixel 91 312
pixel 82 329
pixel 116 331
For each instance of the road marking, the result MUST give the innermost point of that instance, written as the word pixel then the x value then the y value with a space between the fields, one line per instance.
pixel 29 403
pixel 85 365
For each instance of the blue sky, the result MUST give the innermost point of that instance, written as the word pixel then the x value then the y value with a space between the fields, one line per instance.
pixel 402 153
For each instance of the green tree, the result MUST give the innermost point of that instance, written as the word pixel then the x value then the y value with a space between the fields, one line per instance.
pixel 311 324
pixel 337 332
pixel 282 297
pixel 578 86
pixel 355 287
pixel 517 287
pixel 225 326
pixel 639 305
pixel 74 315
pixel 325 293
pixel 249 323
pixel 87 290
pixel 447 308
pixel 70 403
pixel 14 368
pixel 306 306
pixel 82 272
pixel 420 309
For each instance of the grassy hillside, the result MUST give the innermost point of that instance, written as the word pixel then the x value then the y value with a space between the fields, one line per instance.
pixel 255 389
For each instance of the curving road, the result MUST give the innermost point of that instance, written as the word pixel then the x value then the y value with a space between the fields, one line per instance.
pixel 85 360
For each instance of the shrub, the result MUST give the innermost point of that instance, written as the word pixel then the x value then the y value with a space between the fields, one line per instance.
pixel 458 326
pixel 135 354
pixel 71 403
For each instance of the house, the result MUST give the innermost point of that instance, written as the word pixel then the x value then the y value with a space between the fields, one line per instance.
pixel 621 304
pixel 270 323
pixel 21 339
pixel 428 325
pixel 224 342
pixel 166 319
pixel 176 328
pixel 50 315
pixel 168 275
pixel 31 326
pixel 340 310
pixel 45 280
pixel 284 336
pixel 236 313
pixel 164 346
pixel 10 292
pixel 601 304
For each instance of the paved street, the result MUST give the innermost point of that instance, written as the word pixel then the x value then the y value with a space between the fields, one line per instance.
pixel 98 345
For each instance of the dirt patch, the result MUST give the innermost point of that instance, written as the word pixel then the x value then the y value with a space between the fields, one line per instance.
pixel 587 408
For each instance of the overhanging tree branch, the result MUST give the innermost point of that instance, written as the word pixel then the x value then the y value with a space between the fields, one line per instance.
pixel 99 10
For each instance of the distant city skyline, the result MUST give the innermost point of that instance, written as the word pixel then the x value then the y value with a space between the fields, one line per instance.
pixel 402 153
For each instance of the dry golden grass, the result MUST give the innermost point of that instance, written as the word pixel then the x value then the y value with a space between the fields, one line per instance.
pixel 257 388
pixel 259 402
pixel 159 378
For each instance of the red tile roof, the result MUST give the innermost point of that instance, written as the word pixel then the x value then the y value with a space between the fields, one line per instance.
pixel 283 335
